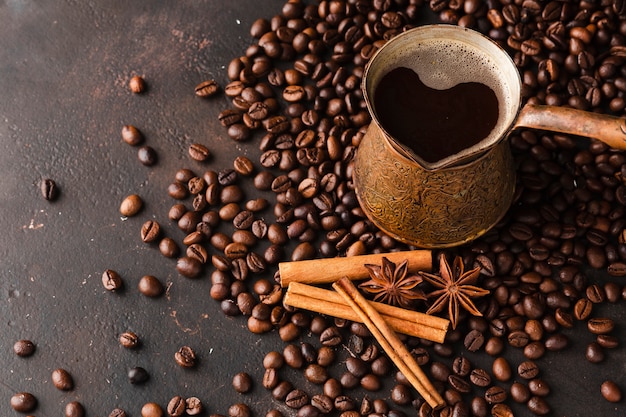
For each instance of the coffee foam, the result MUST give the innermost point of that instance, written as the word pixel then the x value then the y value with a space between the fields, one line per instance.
pixel 444 63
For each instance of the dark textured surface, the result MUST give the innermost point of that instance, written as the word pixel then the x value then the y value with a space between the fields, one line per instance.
pixel 64 67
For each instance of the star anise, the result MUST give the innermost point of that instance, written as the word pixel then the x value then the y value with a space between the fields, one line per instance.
pixel 455 288
pixel 392 284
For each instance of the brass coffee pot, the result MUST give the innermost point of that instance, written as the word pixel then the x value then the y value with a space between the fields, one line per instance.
pixel 460 197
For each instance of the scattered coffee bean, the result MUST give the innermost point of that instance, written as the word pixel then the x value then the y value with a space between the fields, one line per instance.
pixel 239 410
pixel 151 410
pixel 138 375
pixel 131 205
pixel 23 402
pixel 193 406
pixel 49 189
pixel 111 280
pixel 129 340
pixel 611 391
pixel 185 357
pixel 538 406
pixel 207 89
pixel 501 369
pixel 137 84
pixel 74 409
pixel 131 135
pixel 168 247
pixel 62 380
pixel 118 412
pixel 24 348
pixel 242 382
pixel 176 406
pixel 150 286
pixel 147 155
pixel 600 325
pixel 199 152
pixel 189 267
pixel 495 395
pixel 150 231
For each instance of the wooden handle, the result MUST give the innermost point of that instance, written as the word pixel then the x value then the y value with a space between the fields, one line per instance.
pixel 608 129
pixel 328 270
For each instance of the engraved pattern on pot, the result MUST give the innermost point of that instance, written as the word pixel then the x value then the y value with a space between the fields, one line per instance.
pixel 438 208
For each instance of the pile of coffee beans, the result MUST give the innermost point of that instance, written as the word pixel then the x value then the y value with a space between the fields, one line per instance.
pixel 296 93
pixel 550 264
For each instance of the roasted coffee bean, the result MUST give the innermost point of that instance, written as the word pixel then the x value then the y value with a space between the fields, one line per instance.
pixel 131 205
pixel 24 348
pixel 582 309
pixel 147 155
pixel 49 189
pixel 293 356
pixel 556 342
pixel 617 269
pixel 207 89
pixel 62 380
pixel 607 341
pixel 111 280
pixel 136 84
pixel 330 336
pixel 270 378
pixel 243 166
pixel 315 374
pixel 151 410
pixel 480 377
pixel 401 394
pixel 594 353
pixel 495 395
pixel 519 392
pixel 118 412
pixel 356 366
pixel 296 399
pixel 199 152
pixel 189 267
pixel 538 387
pixel 323 403
pixel 518 338
pixel 23 402
pixel 595 294
pixel 176 212
pixel 198 252
pixel 176 406
pixel 168 247
pixel 611 391
pixel 131 135
pixel 150 286
pixel 243 219
pixel 461 366
pixel 150 231
pixel 229 117
pixel 185 357
pixel 600 325
pixel 74 409
pixel 303 251
pixel 242 382
pixel 129 340
pixel 538 406
pixel 137 375
pixel 458 383
pixel 501 369
pixel 474 340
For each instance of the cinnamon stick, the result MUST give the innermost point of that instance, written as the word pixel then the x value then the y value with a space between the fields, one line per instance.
pixel 389 341
pixel 401 320
pixel 328 270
